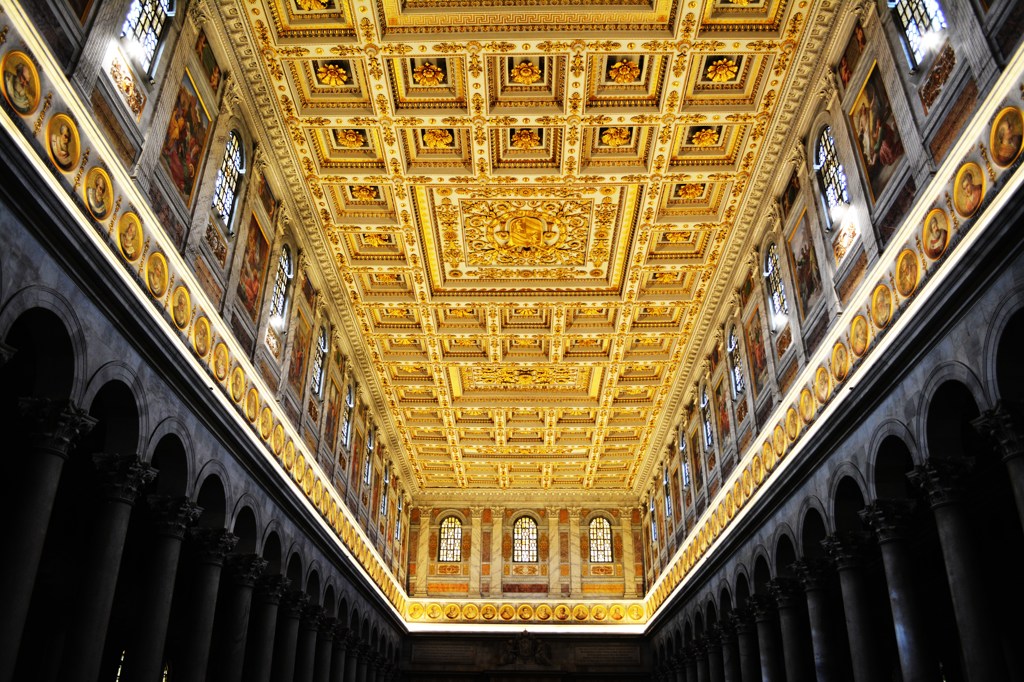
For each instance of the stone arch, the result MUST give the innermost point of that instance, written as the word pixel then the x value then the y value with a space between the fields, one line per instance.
pixel 343 608
pixel 313 587
pixel 214 468
pixel 892 461
pixel 117 431
pixel 813 529
pixel 244 525
pixel 944 373
pixel 271 551
pixel 170 455
pixel 845 471
pixel 329 599
pixel 847 501
pixel 248 501
pixel 785 554
pixel 1004 378
pixel 947 414
pixel 172 426
pixel 294 570
pixel 59 355
pixel 762 572
pixel 212 498
pixel 725 605
pixel 742 591
pixel 122 373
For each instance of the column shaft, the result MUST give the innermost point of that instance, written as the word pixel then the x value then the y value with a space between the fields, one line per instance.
pixel 746 637
pixel 793 629
pixel 823 644
pixel 286 638
pixel 305 648
pixel 324 650
pixel 859 626
pixel 259 650
pixel 767 621
pixel 339 656
pixel 122 478
pixel 232 626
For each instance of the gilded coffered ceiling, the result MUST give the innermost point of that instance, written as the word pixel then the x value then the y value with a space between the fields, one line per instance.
pixel 532 213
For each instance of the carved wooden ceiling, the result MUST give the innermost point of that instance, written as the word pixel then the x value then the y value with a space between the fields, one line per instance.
pixel 532 212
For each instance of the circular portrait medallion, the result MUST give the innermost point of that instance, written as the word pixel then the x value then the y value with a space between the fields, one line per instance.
pixel 935 233
pixel 237 384
pixel 20 82
pixel 859 335
pixel 807 406
pixel 156 274
pixel 822 385
pixel 840 361
pixel 266 423
pixel 1007 136
pixel 98 193
pixel 129 236
pixel 881 306
pixel 181 307
pixel 907 272
pixel 220 361
pixel 62 142
pixel 968 189
pixel 201 336
pixel 792 424
pixel 252 405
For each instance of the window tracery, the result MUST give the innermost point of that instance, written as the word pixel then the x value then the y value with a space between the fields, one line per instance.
pixel 920 22
pixel 600 541
pixel 144 28
pixel 668 493
pixel 317 383
pixel 450 546
pixel 705 418
pixel 279 299
pixel 346 424
pixel 831 174
pixel 776 287
pixel 228 175
pixel 524 540
pixel 735 363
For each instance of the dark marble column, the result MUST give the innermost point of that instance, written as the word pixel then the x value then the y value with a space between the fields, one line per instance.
pixel 699 652
pixel 689 657
pixel 847 553
pixel 232 626
pixel 730 652
pixel 746 637
pixel 259 650
pixel 324 649
pixel 767 619
pixel 283 668
pixel 942 481
pixel 891 520
pixel 675 670
pixel 352 660
pixel 790 600
pixel 171 516
pixel 365 656
pixel 305 648
pixel 339 653
pixel 1004 427
pixel 813 576
pixel 212 546
pixel 713 646
pixel 52 427
pixel 121 481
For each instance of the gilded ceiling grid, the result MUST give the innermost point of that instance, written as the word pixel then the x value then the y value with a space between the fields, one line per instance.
pixel 639 326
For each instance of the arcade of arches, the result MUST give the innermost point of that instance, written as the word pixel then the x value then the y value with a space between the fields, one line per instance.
pixel 354 341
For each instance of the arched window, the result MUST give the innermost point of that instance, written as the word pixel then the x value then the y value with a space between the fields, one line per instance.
pixel 398 518
pixel 228 175
pixel 346 424
pixel 668 494
pixel 385 484
pixel 654 520
pixel 831 175
pixel 279 300
pixel 371 444
pixel 684 465
pixel 317 383
pixel 773 277
pixel 450 547
pixel 144 28
pixel 600 541
pixel 705 419
pixel 921 22
pixel 735 363
pixel 524 540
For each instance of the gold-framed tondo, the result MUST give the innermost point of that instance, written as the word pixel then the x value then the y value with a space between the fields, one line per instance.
pixel 968 189
pixel 935 233
pixel 98 193
pixel 129 236
pixel 1006 138
pixel 20 82
pixel 63 145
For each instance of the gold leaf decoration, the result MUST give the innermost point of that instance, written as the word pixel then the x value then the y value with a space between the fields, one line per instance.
pixel 437 138
pixel 615 137
pixel 624 71
pixel 691 190
pixel 722 70
pixel 364 192
pixel 349 138
pixel 332 74
pixel 525 73
pixel 525 139
pixel 428 74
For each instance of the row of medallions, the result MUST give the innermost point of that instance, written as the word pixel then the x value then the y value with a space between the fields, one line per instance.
pixel 924 251
pixel 525 612
pixel 22 88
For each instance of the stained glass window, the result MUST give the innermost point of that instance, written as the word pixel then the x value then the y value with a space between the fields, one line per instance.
pixel 831 173
pixel 398 518
pixel 346 424
pixel 144 27
pixel 228 175
pixel 684 465
pixel 524 540
pixel 705 418
pixel 776 287
pixel 919 19
pixel 386 483
pixel 279 300
pixel 668 494
pixel 600 541
pixel 654 521
pixel 371 437
pixel 450 547
pixel 317 384
pixel 735 364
